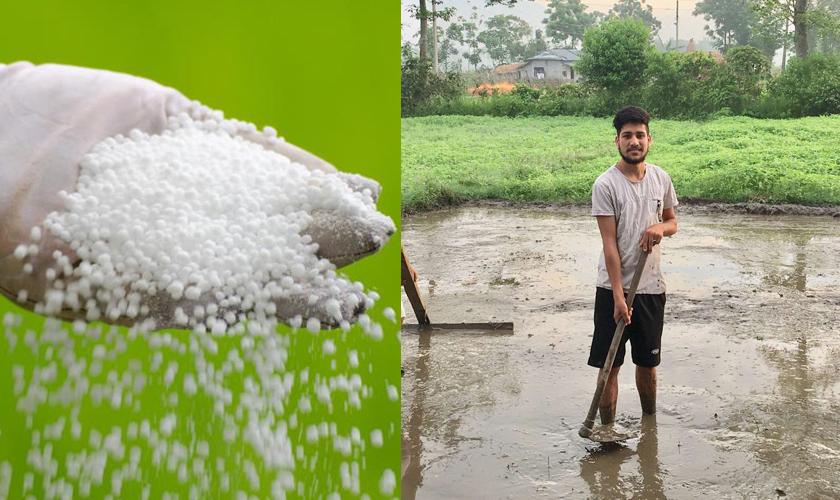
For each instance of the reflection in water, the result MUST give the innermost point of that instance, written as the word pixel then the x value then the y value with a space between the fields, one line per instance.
pixel 601 468
pixel 461 373
pixel 652 481
pixel 791 277
pixel 785 248
pixel 789 428
pixel 412 448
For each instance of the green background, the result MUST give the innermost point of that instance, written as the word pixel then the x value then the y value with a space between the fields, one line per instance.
pixel 322 74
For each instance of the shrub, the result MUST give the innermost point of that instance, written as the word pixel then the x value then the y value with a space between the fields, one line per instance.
pixel 614 55
pixel 812 86
pixel 673 85
pixel 525 92
pixel 419 85
pixel 750 68
pixel 769 106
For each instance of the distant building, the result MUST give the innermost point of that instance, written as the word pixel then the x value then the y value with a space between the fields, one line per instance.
pixel 706 46
pixel 692 47
pixel 509 71
pixel 556 64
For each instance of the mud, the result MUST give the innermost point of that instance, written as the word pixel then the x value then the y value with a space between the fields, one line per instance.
pixel 688 206
pixel 749 385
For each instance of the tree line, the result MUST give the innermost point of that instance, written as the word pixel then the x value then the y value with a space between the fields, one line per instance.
pixel 767 25
pixel 623 68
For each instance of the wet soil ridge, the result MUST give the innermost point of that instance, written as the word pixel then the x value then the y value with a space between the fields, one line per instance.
pixel 687 205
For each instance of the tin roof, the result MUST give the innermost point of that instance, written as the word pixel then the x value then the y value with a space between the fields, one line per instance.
pixel 566 55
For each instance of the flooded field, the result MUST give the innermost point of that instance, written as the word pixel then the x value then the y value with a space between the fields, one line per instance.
pixel 749 385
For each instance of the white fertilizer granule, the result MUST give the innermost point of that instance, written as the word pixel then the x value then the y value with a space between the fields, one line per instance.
pixel 393 392
pixel 389 313
pixel 388 482
pixel 376 438
pixel 199 228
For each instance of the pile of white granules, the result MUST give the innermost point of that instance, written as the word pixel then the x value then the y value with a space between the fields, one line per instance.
pixel 201 230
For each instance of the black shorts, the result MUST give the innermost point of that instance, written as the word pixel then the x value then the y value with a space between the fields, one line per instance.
pixel 644 331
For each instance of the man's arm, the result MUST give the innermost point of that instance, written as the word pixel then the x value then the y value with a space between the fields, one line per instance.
pixel 606 223
pixel 654 234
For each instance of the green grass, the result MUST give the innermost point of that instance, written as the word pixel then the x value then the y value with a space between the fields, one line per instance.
pixel 450 159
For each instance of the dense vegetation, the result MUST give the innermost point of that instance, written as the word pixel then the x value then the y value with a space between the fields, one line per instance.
pixel 622 68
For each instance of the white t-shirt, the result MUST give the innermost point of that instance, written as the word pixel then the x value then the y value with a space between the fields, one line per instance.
pixel 636 206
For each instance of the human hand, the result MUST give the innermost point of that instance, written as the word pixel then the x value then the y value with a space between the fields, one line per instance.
pixel 620 310
pixel 652 237
pixel 51 115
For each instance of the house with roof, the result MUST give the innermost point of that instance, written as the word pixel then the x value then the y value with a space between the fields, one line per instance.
pixel 555 64
pixel 508 71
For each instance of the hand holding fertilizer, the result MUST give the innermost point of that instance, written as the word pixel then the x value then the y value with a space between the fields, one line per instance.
pixel 124 201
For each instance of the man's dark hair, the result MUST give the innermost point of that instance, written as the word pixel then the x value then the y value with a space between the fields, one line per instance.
pixel 631 114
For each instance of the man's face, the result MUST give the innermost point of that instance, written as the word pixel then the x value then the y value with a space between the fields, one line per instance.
pixel 633 143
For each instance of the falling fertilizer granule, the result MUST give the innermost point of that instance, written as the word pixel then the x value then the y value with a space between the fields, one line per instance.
pixel 203 230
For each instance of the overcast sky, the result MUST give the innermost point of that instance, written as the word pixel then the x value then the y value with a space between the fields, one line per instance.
pixel 533 12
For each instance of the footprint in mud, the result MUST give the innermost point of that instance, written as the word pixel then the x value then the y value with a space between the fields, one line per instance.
pixel 629 421
pixel 682 412
pixel 728 440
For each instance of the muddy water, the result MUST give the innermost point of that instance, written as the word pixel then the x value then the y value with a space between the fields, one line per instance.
pixel 749 385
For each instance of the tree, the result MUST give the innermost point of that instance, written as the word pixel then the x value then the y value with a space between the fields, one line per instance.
pixel 423 15
pixel 446 49
pixel 681 85
pixel 825 19
pixel 633 9
pixel 534 46
pixel 777 13
pixel 567 20
pixel 768 35
pixel 812 85
pixel 750 68
pixel 735 23
pixel 732 19
pixel 419 85
pixel 421 12
pixel 538 45
pixel 502 38
pixel 614 55
pixel 469 38
pixel 446 46
pixel 455 34
pixel 800 28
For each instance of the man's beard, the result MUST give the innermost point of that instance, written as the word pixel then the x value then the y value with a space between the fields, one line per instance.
pixel 631 161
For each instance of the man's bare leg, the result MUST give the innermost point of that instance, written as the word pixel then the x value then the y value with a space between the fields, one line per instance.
pixel 646 384
pixel 609 397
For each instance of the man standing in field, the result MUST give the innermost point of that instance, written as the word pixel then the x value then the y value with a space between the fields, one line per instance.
pixel 634 202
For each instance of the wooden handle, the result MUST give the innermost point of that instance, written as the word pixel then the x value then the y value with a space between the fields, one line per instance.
pixel 413 292
pixel 586 429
